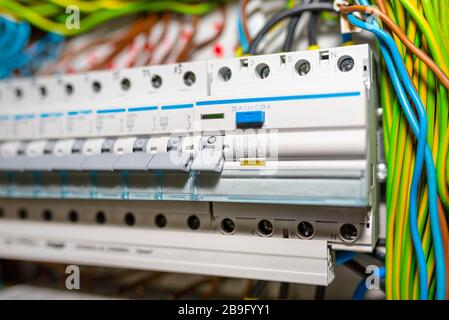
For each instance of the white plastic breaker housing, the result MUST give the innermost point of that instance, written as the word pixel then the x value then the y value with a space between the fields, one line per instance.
pixel 295 122
pixel 285 138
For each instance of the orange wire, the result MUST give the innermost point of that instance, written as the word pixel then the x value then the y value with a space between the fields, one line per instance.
pixel 403 37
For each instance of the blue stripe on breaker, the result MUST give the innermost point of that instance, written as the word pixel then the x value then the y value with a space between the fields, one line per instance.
pixel 24 116
pixel 200 103
pixel 138 109
pixel 120 110
pixel 177 106
pixel 51 115
pixel 81 112
pixel 280 98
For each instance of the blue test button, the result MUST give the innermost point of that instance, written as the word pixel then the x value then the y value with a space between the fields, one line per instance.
pixel 250 119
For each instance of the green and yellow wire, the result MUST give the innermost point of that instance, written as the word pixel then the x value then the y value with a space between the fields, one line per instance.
pixel 426 24
pixel 50 16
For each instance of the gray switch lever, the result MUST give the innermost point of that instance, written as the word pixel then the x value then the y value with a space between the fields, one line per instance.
pixel 42 162
pixel 172 160
pixel 136 161
pixel 70 162
pixel 104 161
pixel 210 157
pixel 15 163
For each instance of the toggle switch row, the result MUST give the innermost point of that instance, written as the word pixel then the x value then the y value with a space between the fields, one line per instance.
pixel 177 153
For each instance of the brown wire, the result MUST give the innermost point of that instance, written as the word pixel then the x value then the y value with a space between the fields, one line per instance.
pixel 166 19
pixel 169 52
pixel 213 290
pixel 247 290
pixel 146 33
pixel 70 54
pixel 142 25
pixel 383 8
pixel 244 5
pixel 403 37
pixel 217 35
pixel 184 54
pixel 148 280
pixel 191 46
pixel 191 287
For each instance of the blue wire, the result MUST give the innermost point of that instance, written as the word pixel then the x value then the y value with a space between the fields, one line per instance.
pixel 413 192
pixel 361 289
pixel 42 51
pixel 6 34
pixel 14 53
pixel 421 137
pixel 13 40
pixel 17 39
pixel 341 257
pixel 346 37
pixel 423 148
pixel 243 40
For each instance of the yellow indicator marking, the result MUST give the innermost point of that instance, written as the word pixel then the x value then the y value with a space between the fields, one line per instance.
pixel 252 162
pixel 313 47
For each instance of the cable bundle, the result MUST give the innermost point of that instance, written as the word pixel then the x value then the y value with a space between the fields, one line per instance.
pixel 41 52
pixel 51 15
pixel 415 134
pixel 13 38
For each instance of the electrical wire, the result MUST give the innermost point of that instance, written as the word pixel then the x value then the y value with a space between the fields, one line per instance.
pixel 344 256
pixel 166 19
pixel 421 137
pixel 429 162
pixel 286 13
pixel 291 28
pixel 184 53
pixel 216 35
pixel 13 41
pixel 172 47
pixel 400 265
pixel 101 16
pixel 441 75
pixel 356 267
pixel 41 52
pixel 284 289
pixel 360 291
pixel 140 26
pixel 242 25
pixel 320 293
pixel 244 19
pixel 312 37
pixel 441 117
pixel 258 289
pixel 132 51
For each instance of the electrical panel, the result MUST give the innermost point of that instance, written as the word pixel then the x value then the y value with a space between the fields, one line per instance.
pixel 172 164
